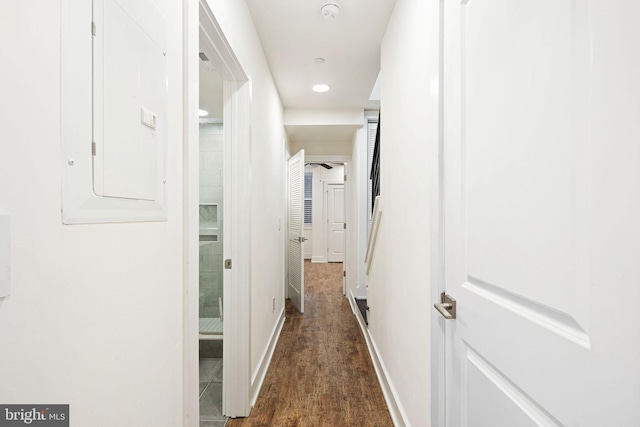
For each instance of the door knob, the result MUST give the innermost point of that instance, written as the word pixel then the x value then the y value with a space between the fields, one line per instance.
pixel 446 306
pixel 302 239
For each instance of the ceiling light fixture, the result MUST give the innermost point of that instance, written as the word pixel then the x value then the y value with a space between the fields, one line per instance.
pixel 330 9
pixel 202 113
pixel 321 88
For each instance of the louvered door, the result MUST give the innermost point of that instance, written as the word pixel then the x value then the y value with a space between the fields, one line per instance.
pixel 295 276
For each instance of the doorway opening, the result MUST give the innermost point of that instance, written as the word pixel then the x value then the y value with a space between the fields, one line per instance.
pixel 325 214
pixel 211 237
pixel 216 220
pixel 326 211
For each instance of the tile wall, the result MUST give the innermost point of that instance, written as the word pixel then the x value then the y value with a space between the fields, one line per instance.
pixel 211 220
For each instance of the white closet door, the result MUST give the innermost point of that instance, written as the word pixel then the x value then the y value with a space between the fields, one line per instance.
pixel 335 223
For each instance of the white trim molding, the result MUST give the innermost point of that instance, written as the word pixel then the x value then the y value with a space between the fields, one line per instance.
pixel 191 218
pixel 215 46
pixel 396 411
pixel 237 281
pixel 265 360
pixel 335 158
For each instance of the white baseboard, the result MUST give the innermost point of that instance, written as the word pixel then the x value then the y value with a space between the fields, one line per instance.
pixel 265 361
pixel 388 390
pixel 316 258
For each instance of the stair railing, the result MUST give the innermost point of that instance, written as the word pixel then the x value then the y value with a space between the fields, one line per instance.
pixel 373 232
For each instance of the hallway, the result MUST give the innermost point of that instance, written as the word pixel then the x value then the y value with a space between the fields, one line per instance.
pixel 321 373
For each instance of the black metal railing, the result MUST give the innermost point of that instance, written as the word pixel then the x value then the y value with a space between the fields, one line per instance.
pixel 375 169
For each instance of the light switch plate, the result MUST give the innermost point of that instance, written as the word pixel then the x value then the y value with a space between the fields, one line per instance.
pixel 5 255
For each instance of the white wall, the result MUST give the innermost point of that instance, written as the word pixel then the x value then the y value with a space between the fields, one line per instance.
pixel 268 170
pixel 399 280
pixel 322 131
pixel 308 244
pixel 319 221
pixel 357 187
pixel 95 314
pixel 322 116
pixel 322 148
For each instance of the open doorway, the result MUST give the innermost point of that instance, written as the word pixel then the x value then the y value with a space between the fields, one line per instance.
pixel 211 237
pixel 216 151
pixel 325 211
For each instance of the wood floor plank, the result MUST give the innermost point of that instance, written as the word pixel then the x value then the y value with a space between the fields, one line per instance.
pixel 321 373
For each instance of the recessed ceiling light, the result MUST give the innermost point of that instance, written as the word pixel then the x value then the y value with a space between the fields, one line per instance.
pixel 321 88
pixel 202 113
pixel 319 60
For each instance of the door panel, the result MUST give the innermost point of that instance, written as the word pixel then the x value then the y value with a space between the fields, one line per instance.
pixel 538 177
pixel 295 275
pixel 496 401
pixel 518 148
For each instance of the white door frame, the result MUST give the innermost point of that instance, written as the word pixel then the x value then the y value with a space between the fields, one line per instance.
pixel 346 160
pixel 207 34
pixel 436 189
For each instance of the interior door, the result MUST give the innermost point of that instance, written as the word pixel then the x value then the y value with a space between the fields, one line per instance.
pixel 295 276
pixel 541 185
pixel 335 222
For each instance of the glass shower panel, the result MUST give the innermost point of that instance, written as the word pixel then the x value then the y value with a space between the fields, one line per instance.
pixel 211 227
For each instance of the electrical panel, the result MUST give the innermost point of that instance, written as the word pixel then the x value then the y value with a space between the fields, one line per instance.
pixel 114 103
pixel 129 99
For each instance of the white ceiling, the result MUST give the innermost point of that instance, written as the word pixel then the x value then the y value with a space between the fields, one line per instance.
pixel 210 92
pixel 293 33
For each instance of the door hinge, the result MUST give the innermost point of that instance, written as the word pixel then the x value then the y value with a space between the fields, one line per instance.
pixel 345 225
pixel 93 148
pixel 227 264
pixel 345 177
pixel 93 28
pixel 344 273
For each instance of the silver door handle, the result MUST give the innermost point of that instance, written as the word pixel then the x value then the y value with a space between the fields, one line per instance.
pixel 446 306
pixel 302 239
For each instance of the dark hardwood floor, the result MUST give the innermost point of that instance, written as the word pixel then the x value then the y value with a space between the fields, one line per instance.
pixel 321 372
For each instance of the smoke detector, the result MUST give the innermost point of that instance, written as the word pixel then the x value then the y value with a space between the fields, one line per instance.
pixel 330 9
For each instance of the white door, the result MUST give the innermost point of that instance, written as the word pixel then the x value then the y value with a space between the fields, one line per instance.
pixel 542 212
pixel 296 231
pixel 335 222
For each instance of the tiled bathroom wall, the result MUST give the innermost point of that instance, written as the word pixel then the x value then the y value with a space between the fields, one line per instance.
pixel 211 219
